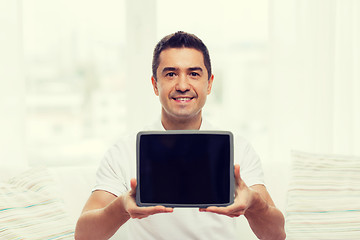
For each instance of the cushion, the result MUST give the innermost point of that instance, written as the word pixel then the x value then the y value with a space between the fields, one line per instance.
pixel 30 209
pixel 323 197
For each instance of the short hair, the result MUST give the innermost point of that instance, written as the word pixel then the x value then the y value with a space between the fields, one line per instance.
pixel 180 39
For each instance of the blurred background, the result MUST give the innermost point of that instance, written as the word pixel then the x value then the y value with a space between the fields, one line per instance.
pixel 75 75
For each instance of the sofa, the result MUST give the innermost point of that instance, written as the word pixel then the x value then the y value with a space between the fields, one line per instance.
pixel 71 186
pixel 45 202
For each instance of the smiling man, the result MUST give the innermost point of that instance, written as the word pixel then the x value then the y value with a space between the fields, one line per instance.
pixel 182 83
pixel 182 79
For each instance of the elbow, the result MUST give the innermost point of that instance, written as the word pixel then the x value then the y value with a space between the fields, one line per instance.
pixel 282 235
pixel 277 234
pixel 79 235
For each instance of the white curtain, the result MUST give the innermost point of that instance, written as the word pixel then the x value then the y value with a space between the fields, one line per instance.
pixel 315 52
pixel 12 86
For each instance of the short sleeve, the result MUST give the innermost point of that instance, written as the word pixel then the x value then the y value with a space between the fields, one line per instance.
pixel 112 175
pixel 250 165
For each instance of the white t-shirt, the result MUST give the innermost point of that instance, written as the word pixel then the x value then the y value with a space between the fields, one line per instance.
pixel 119 166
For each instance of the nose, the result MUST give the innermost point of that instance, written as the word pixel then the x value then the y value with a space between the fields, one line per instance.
pixel 182 84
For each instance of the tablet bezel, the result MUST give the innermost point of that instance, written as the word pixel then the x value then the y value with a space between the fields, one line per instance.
pixel 179 132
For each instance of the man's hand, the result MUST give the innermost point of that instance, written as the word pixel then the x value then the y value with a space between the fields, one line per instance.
pixel 266 221
pixel 242 201
pixel 135 211
pixel 104 213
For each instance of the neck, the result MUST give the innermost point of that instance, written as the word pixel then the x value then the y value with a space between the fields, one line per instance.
pixel 172 123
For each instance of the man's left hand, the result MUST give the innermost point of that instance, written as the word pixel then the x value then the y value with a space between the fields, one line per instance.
pixel 242 201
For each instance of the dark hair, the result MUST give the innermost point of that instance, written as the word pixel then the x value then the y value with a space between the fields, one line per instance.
pixel 180 40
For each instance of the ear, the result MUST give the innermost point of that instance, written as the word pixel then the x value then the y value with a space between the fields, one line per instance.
pixel 210 82
pixel 154 83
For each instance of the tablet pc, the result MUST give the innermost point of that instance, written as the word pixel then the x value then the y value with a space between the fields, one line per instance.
pixel 185 168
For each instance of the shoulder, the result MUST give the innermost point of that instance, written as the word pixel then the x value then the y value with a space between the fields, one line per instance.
pixel 244 155
pixel 126 143
pixel 239 139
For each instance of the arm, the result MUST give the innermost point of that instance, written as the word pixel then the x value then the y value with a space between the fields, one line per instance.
pixel 255 203
pixel 104 214
pixel 266 221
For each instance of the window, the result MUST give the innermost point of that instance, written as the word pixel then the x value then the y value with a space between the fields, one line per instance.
pixel 74 72
pixel 285 78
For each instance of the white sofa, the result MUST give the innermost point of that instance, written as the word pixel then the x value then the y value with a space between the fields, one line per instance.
pixel 320 193
pixel 74 184
pixel 62 188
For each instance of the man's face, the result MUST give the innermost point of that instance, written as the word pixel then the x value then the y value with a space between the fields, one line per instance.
pixel 182 83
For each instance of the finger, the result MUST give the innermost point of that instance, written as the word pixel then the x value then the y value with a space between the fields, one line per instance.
pixel 225 210
pixel 230 211
pixel 218 210
pixel 158 209
pixel 147 211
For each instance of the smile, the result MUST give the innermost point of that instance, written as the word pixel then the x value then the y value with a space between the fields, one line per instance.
pixel 183 99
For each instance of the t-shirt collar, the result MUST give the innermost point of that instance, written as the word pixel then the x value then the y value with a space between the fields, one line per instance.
pixel 204 125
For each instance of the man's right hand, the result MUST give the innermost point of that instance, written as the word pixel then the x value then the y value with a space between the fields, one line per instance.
pixel 135 211
pixel 104 213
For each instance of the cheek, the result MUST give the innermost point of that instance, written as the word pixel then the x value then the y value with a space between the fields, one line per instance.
pixel 202 89
pixel 163 91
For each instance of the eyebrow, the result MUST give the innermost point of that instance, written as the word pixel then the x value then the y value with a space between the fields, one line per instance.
pixel 167 69
pixel 196 69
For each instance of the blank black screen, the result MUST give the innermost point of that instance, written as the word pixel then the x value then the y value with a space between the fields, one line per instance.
pixel 184 168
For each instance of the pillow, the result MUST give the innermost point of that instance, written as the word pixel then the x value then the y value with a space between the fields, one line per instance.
pixel 29 208
pixel 323 197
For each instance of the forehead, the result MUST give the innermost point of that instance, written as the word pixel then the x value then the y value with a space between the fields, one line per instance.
pixel 181 58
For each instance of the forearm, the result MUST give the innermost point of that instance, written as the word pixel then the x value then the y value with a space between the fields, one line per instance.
pixel 266 221
pixel 101 223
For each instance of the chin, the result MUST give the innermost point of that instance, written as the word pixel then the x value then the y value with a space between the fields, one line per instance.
pixel 185 116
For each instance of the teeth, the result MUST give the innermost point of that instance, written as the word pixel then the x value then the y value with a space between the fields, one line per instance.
pixel 183 99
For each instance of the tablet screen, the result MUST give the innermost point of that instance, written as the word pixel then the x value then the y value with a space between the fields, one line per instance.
pixel 185 168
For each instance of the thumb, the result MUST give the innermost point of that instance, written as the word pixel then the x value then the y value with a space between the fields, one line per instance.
pixel 133 184
pixel 237 174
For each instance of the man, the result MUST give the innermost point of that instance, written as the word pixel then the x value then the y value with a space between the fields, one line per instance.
pixel 182 79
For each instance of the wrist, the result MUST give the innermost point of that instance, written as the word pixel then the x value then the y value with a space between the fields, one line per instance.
pixel 116 209
pixel 257 205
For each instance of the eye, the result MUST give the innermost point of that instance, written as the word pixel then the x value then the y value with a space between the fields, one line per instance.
pixel 194 74
pixel 170 74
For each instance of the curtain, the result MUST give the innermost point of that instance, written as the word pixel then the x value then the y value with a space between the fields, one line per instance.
pixel 12 86
pixel 315 80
